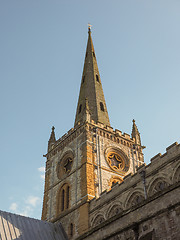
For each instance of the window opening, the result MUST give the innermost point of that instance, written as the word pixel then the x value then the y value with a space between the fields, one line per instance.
pixel 71 229
pixel 94 55
pixel 97 78
pixel 102 106
pixel 67 197
pixel 83 79
pixel 80 107
pixel 62 200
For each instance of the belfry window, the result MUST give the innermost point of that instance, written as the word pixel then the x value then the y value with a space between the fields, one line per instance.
pixel 101 106
pixel 93 54
pixel 80 107
pixel 97 78
pixel 64 198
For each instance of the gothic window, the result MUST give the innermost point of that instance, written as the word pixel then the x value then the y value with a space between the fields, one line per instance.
pixel 94 55
pixel 98 220
pixel 117 162
pixel 158 187
pixel 65 164
pixel 102 106
pixel 176 177
pixel 63 198
pixel 80 107
pixel 135 199
pixel 83 79
pixel 114 180
pixel 97 78
pixel 116 209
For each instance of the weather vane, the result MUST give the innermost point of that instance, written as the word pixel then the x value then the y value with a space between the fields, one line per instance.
pixel 89 26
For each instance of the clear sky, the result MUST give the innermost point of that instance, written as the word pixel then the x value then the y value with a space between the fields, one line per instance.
pixel 42 49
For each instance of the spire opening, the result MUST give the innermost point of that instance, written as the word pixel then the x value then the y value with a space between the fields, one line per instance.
pixel 97 78
pixel 102 106
pixel 80 107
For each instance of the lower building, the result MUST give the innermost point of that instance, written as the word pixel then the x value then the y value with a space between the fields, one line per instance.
pixel 145 206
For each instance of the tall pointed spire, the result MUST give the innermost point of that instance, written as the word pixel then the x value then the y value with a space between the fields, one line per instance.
pixel 135 133
pixel 91 89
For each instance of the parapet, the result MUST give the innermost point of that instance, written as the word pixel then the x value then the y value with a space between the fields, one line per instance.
pixel 172 151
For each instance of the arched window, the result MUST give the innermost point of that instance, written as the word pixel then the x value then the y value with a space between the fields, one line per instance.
pixel 63 200
pixel 102 106
pixel 83 79
pixel 97 78
pixel 80 107
pixel 98 220
pixel 94 55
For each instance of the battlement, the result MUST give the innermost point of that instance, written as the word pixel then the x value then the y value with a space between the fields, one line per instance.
pixel 172 151
pixel 104 130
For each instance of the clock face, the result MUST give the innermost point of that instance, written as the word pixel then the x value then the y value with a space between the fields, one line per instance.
pixel 64 165
pixel 117 160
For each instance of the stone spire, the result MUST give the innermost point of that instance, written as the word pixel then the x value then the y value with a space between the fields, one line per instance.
pixel 91 89
pixel 52 139
pixel 135 133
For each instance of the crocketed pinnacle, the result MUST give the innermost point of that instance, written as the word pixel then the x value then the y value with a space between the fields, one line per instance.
pixel 52 138
pixel 91 91
pixel 135 133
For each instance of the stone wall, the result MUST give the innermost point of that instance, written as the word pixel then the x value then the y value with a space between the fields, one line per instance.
pixel 124 212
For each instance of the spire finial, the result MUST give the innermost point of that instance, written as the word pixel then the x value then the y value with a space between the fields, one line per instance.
pixel 89 27
pixel 133 121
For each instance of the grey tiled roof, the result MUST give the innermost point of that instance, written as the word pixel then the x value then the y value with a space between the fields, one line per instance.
pixel 18 227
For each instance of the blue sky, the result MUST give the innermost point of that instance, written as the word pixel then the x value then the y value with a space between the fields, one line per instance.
pixel 42 49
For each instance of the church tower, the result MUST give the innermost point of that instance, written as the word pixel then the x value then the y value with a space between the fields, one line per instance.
pixel 89 158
